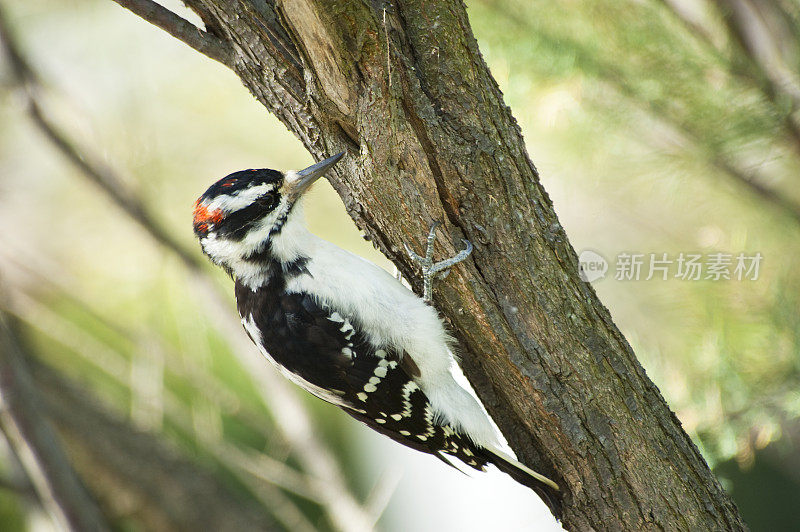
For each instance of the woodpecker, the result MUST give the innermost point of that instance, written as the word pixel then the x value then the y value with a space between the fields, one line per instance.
pixel 344 329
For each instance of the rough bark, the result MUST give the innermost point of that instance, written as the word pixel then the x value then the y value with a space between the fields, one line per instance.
pixel 403 89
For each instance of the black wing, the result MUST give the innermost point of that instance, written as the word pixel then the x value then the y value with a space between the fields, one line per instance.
pixel 321 350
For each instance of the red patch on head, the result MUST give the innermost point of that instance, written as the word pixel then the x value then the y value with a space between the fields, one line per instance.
pixel 203 216
pixel 228 182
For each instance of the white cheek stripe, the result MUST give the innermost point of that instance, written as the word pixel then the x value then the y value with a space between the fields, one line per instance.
pixel 240 199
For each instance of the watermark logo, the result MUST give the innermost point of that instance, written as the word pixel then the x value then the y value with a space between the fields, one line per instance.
pixel 682 266
pixel 593 266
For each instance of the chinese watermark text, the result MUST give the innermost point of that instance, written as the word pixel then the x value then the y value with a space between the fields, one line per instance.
pixel 716 266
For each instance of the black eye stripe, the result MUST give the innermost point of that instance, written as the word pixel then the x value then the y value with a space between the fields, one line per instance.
pixel 236 224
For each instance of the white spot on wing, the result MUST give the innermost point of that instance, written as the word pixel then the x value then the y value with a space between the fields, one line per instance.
pixel 409 388
pixel 429 421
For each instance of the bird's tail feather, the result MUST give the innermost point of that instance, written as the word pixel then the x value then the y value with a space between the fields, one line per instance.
pixel 543 486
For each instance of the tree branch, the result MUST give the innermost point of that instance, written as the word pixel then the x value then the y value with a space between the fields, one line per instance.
pixel 180 28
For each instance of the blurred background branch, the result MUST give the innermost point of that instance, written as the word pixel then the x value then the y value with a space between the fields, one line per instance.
pixel 141 478
pixel 684 131
pixel 34 443
pixel 91 167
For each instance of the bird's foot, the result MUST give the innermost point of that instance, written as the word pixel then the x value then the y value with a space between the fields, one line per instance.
pixel 430 268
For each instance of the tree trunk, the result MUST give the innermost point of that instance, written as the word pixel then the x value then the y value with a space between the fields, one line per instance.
pixel 403 89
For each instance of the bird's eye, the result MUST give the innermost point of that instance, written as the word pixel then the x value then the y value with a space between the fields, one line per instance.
pixel 268 201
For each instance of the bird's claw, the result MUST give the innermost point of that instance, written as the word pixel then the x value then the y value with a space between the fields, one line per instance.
pixel 430 269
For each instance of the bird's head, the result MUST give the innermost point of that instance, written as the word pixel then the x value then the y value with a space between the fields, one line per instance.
pixel 241 216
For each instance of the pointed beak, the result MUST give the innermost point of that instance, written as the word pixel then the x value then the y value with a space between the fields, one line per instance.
pixel 305 178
